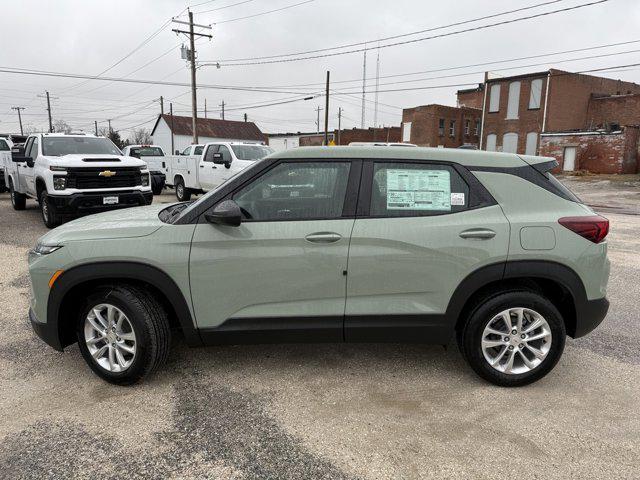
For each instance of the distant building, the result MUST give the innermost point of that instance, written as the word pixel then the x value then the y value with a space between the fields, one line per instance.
pixel 286 141
pixel 471 97
pixel 209 130
pixel 441 126
pixel 371 134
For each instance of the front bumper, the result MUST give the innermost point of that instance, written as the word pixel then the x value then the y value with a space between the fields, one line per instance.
pixel 82 203
pixel 589 315
pixel 46 331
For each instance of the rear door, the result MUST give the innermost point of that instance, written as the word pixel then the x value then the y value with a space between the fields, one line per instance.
pixel 422 227
pixel 282 271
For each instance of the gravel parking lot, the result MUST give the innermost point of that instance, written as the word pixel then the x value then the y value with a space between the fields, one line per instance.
pixel 320 411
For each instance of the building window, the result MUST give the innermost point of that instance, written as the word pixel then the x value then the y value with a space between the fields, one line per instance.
pixel 467 127
pixel 491 142
pixel 536 94
pixel 441 127
pixel 494 98
pixel 532 143
pixel 514 100
pixel 510 143
pixel 452 128
pixel 477 127
pixel 406 132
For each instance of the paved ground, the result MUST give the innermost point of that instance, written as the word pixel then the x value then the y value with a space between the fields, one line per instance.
pixel 318 411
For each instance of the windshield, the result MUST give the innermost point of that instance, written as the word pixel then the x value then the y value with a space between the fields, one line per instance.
pixel 146 152
pixel 59 146
pixel 204 198
pixel 251 152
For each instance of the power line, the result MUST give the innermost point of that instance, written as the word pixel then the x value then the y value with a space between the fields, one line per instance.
pixel 282 59
pixel 225 6
pixel 263 13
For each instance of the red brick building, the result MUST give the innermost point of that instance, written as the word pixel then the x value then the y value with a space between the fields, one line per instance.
pixel 518 109
pixel 381 134
pixel 441 126
pixel 471 97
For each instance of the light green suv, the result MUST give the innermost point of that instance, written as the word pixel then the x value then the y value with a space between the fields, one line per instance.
pixel 344 244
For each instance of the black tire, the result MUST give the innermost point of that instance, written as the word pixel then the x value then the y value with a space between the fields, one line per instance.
pixel 18 200
pixel 50 217
pixel 157 185
pixel 157 189
pixel 149 322
pixel 470 338
pixel 183 194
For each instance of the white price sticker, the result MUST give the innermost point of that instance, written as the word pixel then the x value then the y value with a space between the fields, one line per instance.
pixel 457 199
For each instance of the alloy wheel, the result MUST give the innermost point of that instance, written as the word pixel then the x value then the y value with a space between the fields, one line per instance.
pixel 110 338
pixel 516 341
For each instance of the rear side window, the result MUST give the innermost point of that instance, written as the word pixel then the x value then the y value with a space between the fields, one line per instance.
pixel 413 189
pixel 560 187
pixel 4 146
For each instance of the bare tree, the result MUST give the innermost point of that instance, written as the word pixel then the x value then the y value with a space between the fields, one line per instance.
pixel 140 136
pixel 61 126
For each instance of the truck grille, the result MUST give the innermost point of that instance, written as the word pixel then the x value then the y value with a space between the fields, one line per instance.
pixel 103 177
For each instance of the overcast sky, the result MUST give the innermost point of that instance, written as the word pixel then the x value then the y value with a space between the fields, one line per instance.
pixel 88 36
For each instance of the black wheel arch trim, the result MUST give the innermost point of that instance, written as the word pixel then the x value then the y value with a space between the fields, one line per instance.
pixel 134 271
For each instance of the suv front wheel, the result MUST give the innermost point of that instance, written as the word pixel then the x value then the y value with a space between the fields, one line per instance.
pixel 123 333
pixel 513 338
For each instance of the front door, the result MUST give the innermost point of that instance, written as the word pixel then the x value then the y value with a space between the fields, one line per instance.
pixel 282 271
pixel 421 230
pixel 569 162
pixel 208 172
pixel 27 179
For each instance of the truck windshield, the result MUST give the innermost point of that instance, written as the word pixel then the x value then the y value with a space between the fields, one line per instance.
pixel 59 146
pixel 251 152
pixel 146 152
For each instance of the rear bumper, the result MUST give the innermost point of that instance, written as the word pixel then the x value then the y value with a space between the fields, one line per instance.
pixel 82 203
pixel 46 331
pixel 589 315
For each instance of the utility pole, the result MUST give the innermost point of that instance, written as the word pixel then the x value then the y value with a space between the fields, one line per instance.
pixel 161 105
pixel 205 108
pixel 364 85
pixel 48 110
pixel 375 110
pixel 171 115
pixel 95 123
pixel 339 124
pixel 19 117
pixel 192 57
pixel 326 113
pixel 222 105
pixel 318 119
pixel 109 126
pixel 245 117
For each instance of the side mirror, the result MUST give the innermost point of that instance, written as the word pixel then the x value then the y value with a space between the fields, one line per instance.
pixel 177 152
pixel 225 213
pixel 20 158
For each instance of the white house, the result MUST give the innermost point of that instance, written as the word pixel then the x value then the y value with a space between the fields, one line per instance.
pixel 209 130
pixel 286 141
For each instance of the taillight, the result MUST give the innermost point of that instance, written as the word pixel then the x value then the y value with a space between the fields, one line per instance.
pixel 594 228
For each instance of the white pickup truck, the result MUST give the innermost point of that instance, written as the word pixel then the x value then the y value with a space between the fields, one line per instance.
pixel 5 157
pixel 153 156
pixel 217 162
pixel 75 174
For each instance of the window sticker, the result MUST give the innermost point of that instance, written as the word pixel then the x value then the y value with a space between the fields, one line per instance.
pixel 418 189
pixel 457 199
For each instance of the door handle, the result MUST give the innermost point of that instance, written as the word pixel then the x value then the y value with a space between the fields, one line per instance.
pixel 323 237
pixel 480 233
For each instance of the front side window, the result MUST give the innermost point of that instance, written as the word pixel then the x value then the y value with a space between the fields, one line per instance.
pixel 226 154
pixel 414 189
pixel 198 150
pixel 186 151
pixel 208 157
pixel 296 191
pixel 33 153
pixel 4 146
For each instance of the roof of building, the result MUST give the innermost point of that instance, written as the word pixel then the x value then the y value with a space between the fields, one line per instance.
pixel 212 127
pixel 461 156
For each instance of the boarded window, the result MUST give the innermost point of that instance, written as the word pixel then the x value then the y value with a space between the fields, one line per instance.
pixel 491 142
pixel 441 127
pixel 532 143
pixel 514 100
pixel 494 98
pixel 536 93
pixel 510 143
pixel 406 132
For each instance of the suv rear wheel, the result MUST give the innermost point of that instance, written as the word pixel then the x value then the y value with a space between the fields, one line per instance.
pixel 513 338
pixel 123 333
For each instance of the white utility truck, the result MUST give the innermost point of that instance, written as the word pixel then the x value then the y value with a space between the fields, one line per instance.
pixel 217 162
pixel 153 156
pixel 5 157
pixel 71 175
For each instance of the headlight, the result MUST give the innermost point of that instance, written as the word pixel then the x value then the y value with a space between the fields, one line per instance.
pixel 145 179
pixel 42 249
pixel 59 183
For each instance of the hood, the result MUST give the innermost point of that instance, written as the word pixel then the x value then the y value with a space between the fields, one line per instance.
pixel 125 223
pixel 79 160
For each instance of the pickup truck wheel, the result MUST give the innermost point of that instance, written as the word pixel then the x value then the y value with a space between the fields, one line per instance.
pixel 123 333
pixel 18 200
pixel 183 194
pixel 49 215
pixel 513 338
